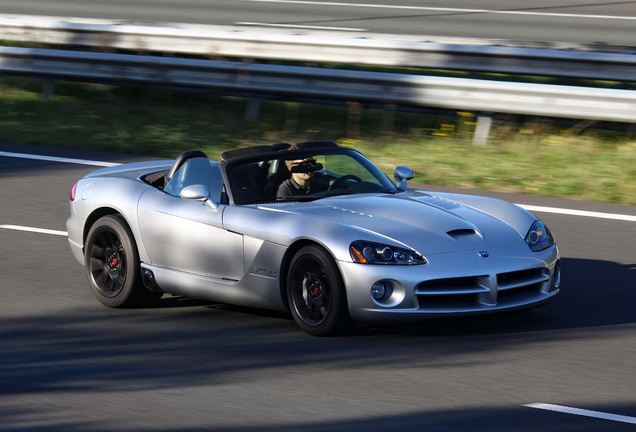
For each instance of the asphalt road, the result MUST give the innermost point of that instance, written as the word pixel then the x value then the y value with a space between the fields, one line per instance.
pixel 572 21
pixel 69 364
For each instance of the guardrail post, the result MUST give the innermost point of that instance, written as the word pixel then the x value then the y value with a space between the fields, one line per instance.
pixel 388 119
pixel 252 109
pixel 48 89
pixel 482 130
pixel 291 119
pixel 353 120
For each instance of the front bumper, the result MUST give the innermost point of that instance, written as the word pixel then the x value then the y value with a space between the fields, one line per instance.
pixel 453 284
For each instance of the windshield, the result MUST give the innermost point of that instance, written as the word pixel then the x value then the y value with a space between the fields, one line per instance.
pixel 307 177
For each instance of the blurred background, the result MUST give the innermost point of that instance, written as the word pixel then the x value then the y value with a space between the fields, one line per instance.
pixel 497 97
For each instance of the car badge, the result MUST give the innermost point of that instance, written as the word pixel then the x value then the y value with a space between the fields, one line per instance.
pixel 484 254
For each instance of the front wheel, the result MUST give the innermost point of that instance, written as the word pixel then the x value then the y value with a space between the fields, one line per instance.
pixel 316 294
pixel 111 261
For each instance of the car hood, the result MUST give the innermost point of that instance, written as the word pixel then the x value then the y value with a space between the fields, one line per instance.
pixel 424 222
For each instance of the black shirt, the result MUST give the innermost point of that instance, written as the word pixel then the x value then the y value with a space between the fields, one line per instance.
pixel 290 188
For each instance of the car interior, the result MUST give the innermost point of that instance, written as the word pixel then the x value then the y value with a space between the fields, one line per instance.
pixel 252 179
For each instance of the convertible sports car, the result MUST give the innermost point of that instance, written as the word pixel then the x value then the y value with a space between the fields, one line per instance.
pixel 315 229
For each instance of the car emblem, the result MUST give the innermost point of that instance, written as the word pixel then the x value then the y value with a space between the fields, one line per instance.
pixel 484 254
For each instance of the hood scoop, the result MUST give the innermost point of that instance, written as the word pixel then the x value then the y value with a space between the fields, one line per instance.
pixel 464 234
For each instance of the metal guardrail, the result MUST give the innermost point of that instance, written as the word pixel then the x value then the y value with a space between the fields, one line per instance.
pixel 319 83
pixel 553 59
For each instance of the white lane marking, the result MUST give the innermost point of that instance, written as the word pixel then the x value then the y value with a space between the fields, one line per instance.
pixel 582 412
pixel 555 210
pixel 449 10
pixel 35 230
pixel 58 159
pixel 306 27
pixel 584 213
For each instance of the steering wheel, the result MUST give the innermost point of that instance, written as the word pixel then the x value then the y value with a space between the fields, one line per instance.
pixel 339 181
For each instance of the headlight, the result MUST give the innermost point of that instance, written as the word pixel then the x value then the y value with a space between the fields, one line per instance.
pixel 539 237
pixel 375 253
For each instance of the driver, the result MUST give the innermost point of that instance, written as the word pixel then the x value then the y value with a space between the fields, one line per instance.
pixel 302 181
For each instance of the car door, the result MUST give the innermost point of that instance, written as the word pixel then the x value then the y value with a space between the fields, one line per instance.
pixel 186 235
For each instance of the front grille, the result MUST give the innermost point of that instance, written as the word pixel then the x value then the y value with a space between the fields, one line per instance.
pixel 460 286
pixel 517 285
pixel 451 293
pixel 483 291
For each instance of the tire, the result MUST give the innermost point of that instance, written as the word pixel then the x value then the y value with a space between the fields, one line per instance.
pixel 112 265
pixel 316 294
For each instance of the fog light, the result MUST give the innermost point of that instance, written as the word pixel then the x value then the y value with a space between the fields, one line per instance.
pixel 378 291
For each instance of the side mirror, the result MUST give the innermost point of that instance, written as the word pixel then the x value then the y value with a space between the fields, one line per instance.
pixel 402 175
pixel 198 192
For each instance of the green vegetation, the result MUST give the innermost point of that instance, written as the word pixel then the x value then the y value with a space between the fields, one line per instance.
pixel 523 155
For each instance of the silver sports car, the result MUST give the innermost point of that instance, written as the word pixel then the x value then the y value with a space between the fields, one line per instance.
pixel 315 229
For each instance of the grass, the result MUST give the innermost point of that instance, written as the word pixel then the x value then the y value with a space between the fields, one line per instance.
pixel 533 156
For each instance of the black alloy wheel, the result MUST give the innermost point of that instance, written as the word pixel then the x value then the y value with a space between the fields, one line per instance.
pixel 316 294
pixel 111 261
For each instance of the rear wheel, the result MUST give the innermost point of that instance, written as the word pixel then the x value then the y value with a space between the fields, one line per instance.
pixel 316 294
pixel 111 261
